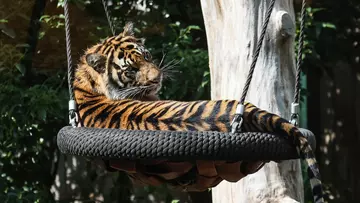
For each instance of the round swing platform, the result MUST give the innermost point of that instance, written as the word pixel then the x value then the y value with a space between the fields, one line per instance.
pixel 175 145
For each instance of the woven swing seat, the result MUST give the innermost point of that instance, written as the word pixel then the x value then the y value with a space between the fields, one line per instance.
pixel 191 160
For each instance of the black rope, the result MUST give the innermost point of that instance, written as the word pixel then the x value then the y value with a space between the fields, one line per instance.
pixel 257 52
pixel 73 117
pixel 68 50
pixel 107 12
pixel 236 123
pixel 300 52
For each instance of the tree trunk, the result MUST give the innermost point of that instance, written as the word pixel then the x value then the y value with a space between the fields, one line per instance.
pixel 233 28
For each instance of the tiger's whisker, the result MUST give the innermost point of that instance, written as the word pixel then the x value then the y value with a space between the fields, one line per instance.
pixel 162 59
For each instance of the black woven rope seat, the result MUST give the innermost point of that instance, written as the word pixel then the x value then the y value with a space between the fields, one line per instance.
pixel 175 145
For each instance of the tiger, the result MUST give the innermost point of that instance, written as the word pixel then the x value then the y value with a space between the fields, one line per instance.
pixel 117 83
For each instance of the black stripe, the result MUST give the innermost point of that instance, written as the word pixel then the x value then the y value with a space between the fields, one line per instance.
pixel 129 125
pixel 178 118
pixel 130 46
pixel 261 123
pixel 291 136
pixel 86 123
pixel 277 127
pixel 192 106
pixel 189 108
pixel 211 118
pixel 116 118
pixel 90 112
pixel 83 91
pixel 110 40
pixel 161 113
pixel 171 120
pixel 157 127
pixel 214 111
pixel 107 50
pixel 264 119
pixel 92 96
pixel 111 58
pixel 190 127
pixel 143 106
pixel 171 128
pixel 91 122
pixel 225 117
pixel 249 118
pixel 180 113
pixel 87 104
pixel 229 107
pixel 116 46
pixel 98 48
pixel 142 123
pixel 154 117
pixel 269 119
pixel 195 118
pixel 104 114
pixel 249 105
pixel 139 117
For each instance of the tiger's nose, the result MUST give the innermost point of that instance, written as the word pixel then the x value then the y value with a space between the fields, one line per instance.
pixel 154 75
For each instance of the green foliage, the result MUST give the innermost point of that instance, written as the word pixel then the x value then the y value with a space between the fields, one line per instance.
pixel 30 116
pixel 191 71
pixel 54 21
pixel 313 29
pixel 34 105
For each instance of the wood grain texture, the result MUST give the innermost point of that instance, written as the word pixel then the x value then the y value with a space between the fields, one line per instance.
pixel 232 28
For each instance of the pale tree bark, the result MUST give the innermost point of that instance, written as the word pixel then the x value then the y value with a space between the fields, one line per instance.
pixel 232 28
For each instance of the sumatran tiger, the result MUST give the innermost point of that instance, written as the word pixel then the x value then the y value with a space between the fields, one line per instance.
pixel 113 79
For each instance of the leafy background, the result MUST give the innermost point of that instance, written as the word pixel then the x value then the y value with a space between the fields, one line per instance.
pixel 33 87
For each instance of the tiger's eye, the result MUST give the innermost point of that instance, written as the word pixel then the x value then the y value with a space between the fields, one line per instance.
pixel 116 66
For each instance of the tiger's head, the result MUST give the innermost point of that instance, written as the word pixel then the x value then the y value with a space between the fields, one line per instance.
pixel 119 68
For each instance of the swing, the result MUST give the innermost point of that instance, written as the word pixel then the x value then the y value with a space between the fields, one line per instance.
pixel 116 144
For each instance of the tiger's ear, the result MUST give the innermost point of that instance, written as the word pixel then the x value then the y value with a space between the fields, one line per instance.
pixel 96 61
pixel 128 29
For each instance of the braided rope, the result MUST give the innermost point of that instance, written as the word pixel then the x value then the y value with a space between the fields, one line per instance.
pixel 257 52
pixel 68 50
pixel 300 53
pixel 107 12
pixel 73 116
pixel 237 120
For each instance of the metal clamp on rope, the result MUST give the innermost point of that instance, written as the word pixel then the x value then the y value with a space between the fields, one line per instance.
pixel 237 121
pixel 73 116
pixel 295 110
